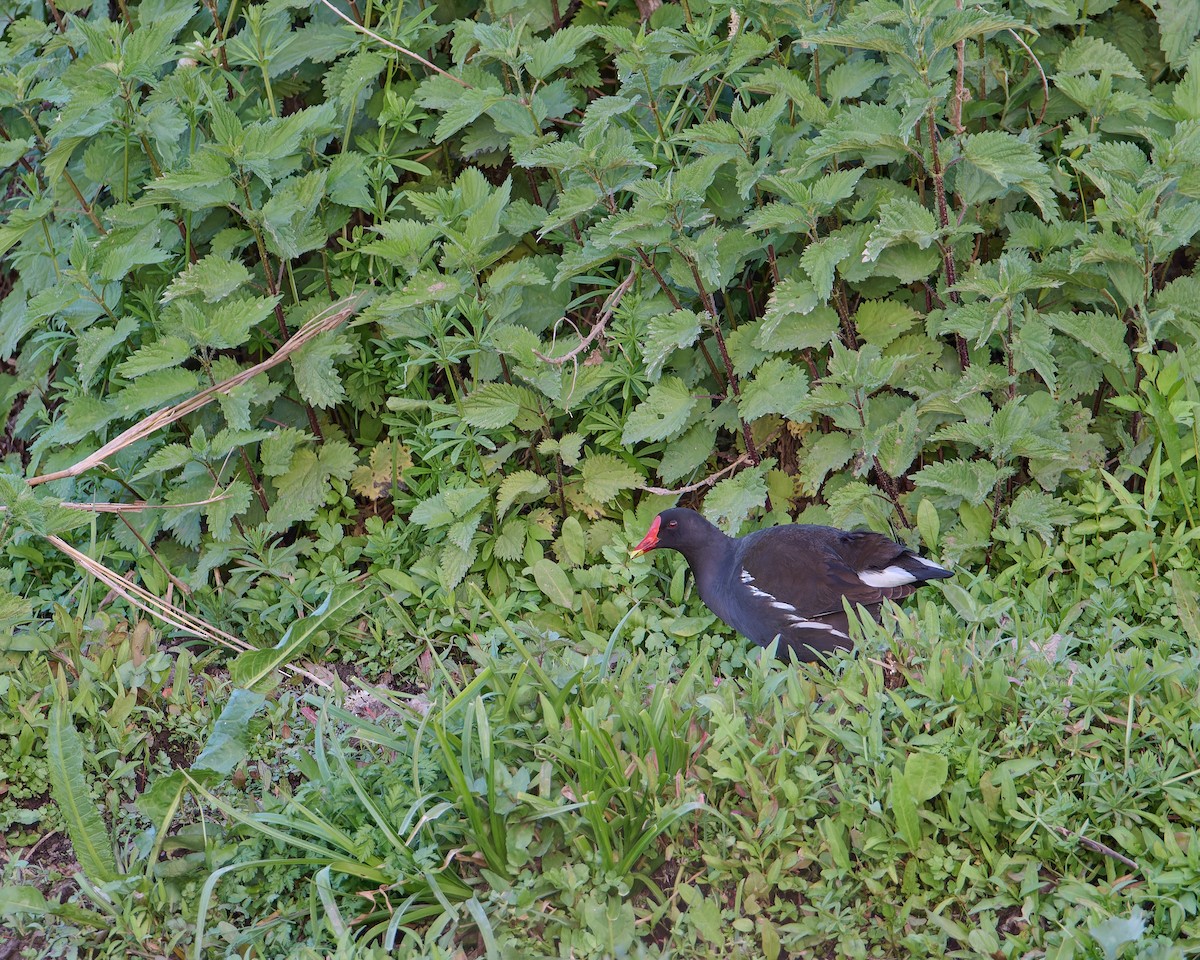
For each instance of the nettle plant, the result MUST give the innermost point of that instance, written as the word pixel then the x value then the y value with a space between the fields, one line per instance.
pixel 898 264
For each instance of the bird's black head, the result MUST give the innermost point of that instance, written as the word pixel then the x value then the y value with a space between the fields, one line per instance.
pixel 676 529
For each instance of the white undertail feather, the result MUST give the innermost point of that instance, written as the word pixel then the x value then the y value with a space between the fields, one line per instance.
pixel 887 577
pixel 930 564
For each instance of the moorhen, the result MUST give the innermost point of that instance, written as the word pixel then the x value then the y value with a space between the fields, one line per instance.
pixel 789 581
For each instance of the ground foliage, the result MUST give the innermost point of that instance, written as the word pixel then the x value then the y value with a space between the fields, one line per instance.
pixel 917 267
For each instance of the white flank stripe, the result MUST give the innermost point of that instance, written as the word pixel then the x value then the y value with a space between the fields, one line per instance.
pixel 760 593
pixel 780 605
pixel 817 625
pixel 887 577
pixel 746 578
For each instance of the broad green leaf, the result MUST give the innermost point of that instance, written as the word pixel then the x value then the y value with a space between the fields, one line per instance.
pixel 734 499
pixel 230 741
pixel 662 415
pixel 314 366
pixel 667 333
pixel 900 220
pixel 213 278
pixel 604 477
pixel 969 480
pixel 879 322
pixel 905 812
pixel 1102 333
pixel 776 387
pixel 552 580
pixel 925 775
pixel 523 484
pixel 497 405
pixel 255 669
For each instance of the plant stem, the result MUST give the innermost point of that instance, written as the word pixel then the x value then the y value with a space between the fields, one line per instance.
pixel 939 190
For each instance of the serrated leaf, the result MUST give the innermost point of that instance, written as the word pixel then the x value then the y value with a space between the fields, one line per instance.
pixel 1102 333
pixel 777 386
pixel 159 354
pixel 821 258
pixel 497 405
pixel 662 415
pixel 687 453
pixel 734 499
pixel 879 322
pixel 235 500
pixel 665 334
pixel 604 477
pixel 969 480
pixel 901 220
pixel 96 343
pixel 381 474
pixel 317 377
pixel 1011 161
pixel 523 484
pixel 212 277
pixel 303 488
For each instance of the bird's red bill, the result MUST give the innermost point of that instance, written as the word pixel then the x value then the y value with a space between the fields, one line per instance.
pixel 649 541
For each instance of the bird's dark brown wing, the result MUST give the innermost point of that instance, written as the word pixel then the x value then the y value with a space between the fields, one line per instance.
pixel 813 568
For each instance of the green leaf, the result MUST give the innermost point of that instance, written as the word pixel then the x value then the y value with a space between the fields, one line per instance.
pixel 665 334
pixel 552 580
pixel 687 453
pixel 904 810
pixel 160 354
pixel 879 322
pixel 662 415
pixel 900 220
pixel 1102 333
pixel 969 480
pixel 230 740
pixel 235 500
pixel 90 841
pixel 303 488
pixel 255 669
pixel 317 377
pixel 1011 161
pixel 213 278
pixel 734 499
pixel 1178 27
pixel 777 386
pixel 820 259
pixel 524 484
pixel 604 477
pixel 925 775
pixel 497 405
pixel 1115 933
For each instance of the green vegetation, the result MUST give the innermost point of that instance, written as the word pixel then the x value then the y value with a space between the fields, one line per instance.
pixel 340 365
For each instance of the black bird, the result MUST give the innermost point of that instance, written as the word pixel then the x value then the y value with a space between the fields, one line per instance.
pixel 789 581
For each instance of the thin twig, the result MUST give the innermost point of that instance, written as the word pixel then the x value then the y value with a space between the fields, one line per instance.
pixel 1096 847
pixel 706 482
pixel 395 46
pixel 330 319
pixel 1045 82
pixel 139 506
pixel 610 306
pixel 163 610
pixel 960 83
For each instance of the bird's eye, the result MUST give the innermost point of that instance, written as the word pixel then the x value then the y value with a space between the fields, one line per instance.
pixel 672 523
